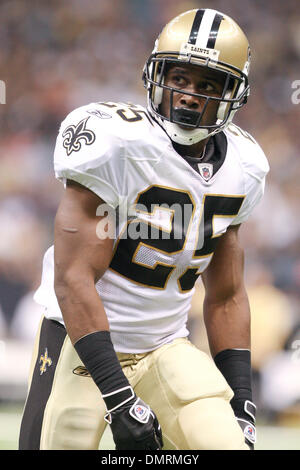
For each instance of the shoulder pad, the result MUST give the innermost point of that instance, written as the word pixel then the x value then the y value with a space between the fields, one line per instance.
pixel 124 121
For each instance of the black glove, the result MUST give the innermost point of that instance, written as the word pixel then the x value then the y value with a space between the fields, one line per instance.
pixel 134 426
pixel 245 411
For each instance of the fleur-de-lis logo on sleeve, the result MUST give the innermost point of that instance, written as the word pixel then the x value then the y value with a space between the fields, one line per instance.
pixel 73 135
pixel 45 361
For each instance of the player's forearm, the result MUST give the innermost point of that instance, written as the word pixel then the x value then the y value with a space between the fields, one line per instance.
pixel 228 323
pixel 82 309
pixel 88 329
pixel 228 328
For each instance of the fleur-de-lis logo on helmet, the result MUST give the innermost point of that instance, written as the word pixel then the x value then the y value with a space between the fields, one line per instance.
pixel 73 135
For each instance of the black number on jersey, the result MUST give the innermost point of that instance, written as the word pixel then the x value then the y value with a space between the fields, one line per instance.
pixel 128 112
pixel 213 205
pixel 125 261
pixel 235 130
pixel 165 242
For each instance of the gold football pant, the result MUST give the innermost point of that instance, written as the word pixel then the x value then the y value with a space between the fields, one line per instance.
pixel 64 408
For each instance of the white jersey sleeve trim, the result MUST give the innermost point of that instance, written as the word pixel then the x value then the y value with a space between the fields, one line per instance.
pixel 98 185
pixel 253 196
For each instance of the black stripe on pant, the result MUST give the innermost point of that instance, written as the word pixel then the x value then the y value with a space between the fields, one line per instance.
pixel 52 336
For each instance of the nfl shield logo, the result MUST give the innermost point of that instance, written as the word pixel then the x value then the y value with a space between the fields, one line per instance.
pixel 249 433
pixel 205 170
pixel 141 411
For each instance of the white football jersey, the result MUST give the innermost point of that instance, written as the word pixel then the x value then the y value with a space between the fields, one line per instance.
pixel 169 214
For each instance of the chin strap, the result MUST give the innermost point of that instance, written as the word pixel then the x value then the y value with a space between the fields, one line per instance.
pixel 183 137
pixel 192 136
pixel 180 136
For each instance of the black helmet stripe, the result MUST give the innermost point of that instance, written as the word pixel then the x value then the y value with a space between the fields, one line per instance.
pixel 214 31
pixel 205 28
pixel 196 26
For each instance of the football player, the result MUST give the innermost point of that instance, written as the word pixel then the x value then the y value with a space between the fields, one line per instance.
pixel 175 181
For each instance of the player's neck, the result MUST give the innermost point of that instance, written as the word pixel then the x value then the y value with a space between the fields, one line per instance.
pixel 196 151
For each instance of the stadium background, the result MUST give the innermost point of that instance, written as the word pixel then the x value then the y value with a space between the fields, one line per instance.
pixel 58 55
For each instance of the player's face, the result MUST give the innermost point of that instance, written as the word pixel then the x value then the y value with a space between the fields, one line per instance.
pixel 193 79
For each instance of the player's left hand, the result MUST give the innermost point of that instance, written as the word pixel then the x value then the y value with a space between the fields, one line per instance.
pixel 245 412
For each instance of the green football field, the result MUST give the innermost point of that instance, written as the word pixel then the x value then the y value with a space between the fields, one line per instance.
pixel 269 437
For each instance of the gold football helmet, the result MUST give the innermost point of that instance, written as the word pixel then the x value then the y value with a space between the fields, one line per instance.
pixel 208 39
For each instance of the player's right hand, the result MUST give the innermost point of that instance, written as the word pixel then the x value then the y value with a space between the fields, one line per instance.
pixel 135 427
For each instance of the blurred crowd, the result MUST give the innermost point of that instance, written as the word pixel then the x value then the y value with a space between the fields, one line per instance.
pixel 55 56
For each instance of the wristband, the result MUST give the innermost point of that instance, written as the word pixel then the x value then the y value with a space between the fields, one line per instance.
pixel 98 355
pixel 235 365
